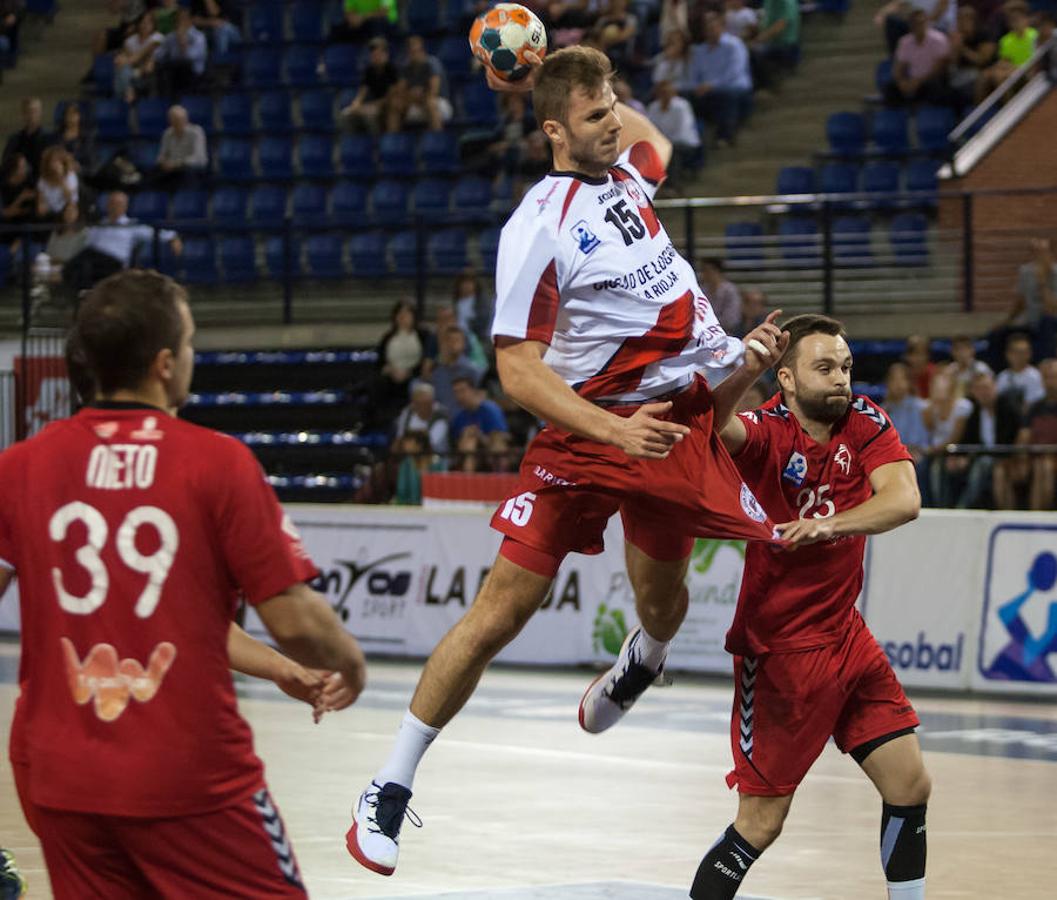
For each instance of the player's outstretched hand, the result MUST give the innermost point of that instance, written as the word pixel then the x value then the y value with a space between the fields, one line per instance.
pixel 522 84
pixel 337 694
pixel 644 436
pixel 765 344
pixel 298 682
pixel 806 531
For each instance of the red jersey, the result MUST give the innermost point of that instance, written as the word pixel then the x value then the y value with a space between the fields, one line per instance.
pixel 131 533
pixel 795 600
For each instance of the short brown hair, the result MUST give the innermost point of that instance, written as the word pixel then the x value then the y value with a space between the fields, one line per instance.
pixel 124 323
pixel 564 71
pixel 800 327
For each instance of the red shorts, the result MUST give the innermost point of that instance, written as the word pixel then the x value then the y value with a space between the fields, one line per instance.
pixel 787 705
pixel 569 487
pixel 239 851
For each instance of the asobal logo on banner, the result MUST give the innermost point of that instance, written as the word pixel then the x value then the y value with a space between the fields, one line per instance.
pixel 924 654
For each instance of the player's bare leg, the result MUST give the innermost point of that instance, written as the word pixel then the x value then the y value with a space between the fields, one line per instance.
pixel 507 600
pixel 661 601
pixel 898 772
pixel 756 827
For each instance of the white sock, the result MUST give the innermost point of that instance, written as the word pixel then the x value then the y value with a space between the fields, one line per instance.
pixel 907 890
pixel 412 741
pixel 652 653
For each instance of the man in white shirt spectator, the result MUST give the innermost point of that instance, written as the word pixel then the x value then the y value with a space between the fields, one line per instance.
pixel 419 95
pixel 919 73
pixel 674 116
pixel 423 414
pixel 965 366
pixel 181 60
pixel 721 79
pixel 112 244
pixel 183 157
pixel 721 293
pixel 1021 381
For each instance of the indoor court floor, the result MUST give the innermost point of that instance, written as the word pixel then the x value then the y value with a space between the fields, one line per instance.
pixel 519 804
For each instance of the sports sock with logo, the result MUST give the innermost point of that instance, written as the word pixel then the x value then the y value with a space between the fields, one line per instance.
pixel 724 867
pixel 903 850
pixel 652 652
pixel 412 741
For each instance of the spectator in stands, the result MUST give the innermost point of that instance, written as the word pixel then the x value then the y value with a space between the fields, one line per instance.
pixel 419 95
pixel 64 243
pixel 218 21
pixel 614 32
pixel 916 356
pixel 753 398
pixel 112 245
pixel 895 17
pixel 1040 427
pixel 994 421
pixel 479 427
pixel 1035 307
pixel 129 13
pixel 166 13
pixel 18 196
pixel 1015 48
pixel 444 317
pixel 182 158
pixel 366 19
pixel 569 21
pixel 677 15
pixel 473 309
pixel 134 63
pixel 945 417
pixel 1021 381
pixel 622 91
pixel 721 293
pixel 30 141
pixel 965 366
pixel 972 51
pixel 919 72
pixel 674 117
pixel 452 364
pixel 10 20
pixel 369 108
pixel 753 310
pixel 777 45
pixel 505 148
pixel 722 82
pixel 76 141
pixel 673 62
pixel 181 59
pixel 58 185
pixel 423 415
pixel 740 20
pixel 401 352
pixel 906 411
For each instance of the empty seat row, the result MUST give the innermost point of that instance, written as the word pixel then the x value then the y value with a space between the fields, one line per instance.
pixel 889 179
pixel 887 131
pixel 310 20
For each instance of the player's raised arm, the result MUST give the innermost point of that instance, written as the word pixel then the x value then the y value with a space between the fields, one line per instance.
pixel 638 128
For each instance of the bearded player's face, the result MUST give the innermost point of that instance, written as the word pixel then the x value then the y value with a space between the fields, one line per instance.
pixel 593 130
pixel 819 380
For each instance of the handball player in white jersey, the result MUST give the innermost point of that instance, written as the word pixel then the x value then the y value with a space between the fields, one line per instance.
pixel 602 331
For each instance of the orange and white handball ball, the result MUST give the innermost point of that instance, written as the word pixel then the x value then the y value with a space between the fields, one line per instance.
pixel 501 36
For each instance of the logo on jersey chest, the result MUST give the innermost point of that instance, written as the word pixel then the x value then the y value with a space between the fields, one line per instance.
pixel 842 458
pixel 750 505
pixel 795 469
pixel 584 237
pixel 634 192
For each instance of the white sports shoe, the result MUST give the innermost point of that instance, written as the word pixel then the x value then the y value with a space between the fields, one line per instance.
pixel 615 691
pixel 374 839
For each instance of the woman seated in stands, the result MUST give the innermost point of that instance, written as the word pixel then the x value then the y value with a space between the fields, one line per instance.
pixel 673 62
pixel 134 63
pixel 400 354
pixel 73 138
pixel 18 197
pixel 972 52
pixel 58 185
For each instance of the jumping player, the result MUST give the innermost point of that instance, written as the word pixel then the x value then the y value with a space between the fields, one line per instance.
pixel 832 468
pixel 131 532
pixel 600 329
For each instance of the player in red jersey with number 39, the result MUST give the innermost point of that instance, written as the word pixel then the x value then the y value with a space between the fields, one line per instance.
pixel 832 467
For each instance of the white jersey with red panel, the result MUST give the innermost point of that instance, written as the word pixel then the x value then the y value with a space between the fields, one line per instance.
pixel 586 267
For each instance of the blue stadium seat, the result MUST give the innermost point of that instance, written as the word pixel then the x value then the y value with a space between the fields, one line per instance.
pixel 846 132
pixel 278 261
pixel 367 253
pixel 199 261
pixel 921 179
pixel 422 16
pixel 839 178
pixel 799 240
pixel 342 64
pixel 324 252
pixel 317 110
pixel 262 68
pixel 447 251
pixel 881 178
pixel 275 113
pixel 103 74
pixel 264 23
pixel 472 195
pixel 348 204
pixel 238 256
pixel 889 129
pixel 316 153
pixel 882 75
pixel 6 263
pixel 306 21
pixel 234 159
pixel 236 114
pixel 357 156
pixel 268 204
pixel 795 180
pixel 908 235
pixel 431 199
pixel 488 245
pixel 276 158
pixel 302 66
pixel 834 7
pixel 149 206
pixel 309 204
pixel 144 154
pixel 438 153
pixel 152 114
pixel 743 244
pixel 403 248
pixel 452 54
pixel 479 104
pixel 190 206
pixel 933 124
pixel 396 155
pixel 229 206
pixel 111 119
pixel 851 242
pixel 200 110
pixel 389 202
